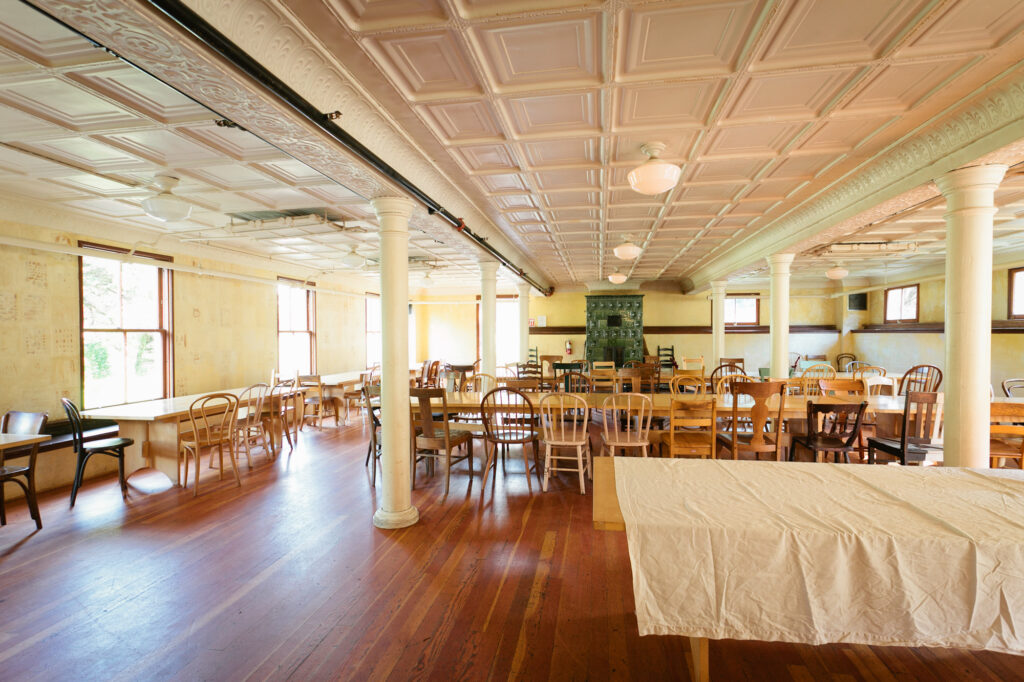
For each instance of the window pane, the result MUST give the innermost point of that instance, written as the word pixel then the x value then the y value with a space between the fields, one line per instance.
pixel 730 311
pixel 372 314
pixel 299 310
pixel 101 293
pixel 373 348
pixel 746 310
pixel 1018 293
pixel 140 296
pixel 893 304
pixel 144 362
pixel 103 359
pixel 293 350
pixel 909 303
pixel 284 308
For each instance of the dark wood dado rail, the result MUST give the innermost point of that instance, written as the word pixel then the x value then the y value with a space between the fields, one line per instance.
pixel 698 329
pixel 998 327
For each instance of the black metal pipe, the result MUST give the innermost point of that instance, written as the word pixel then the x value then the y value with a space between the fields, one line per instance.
pixel 213 39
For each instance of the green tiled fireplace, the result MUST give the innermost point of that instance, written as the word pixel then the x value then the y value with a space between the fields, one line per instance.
pixel 615 328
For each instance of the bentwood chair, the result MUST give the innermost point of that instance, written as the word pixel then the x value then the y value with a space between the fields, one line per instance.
pixel 1006 440
pixel 691 431
pixel 250 429
pixel 765 434
pixel 509 419
pixel 684 384
pixel 922 417
pixel 1013 388
pixel 843 361
pixel 281 414
pixel 561 433
pixel 727 383
pixel 24 423
pixel 212 418
pixel 627 422
pixel 438 439
pixel 371 401
pixel 855 365
pixel 921 379
pixel 112 447
pixel 831 427
pixel 315 401
pixel 721 371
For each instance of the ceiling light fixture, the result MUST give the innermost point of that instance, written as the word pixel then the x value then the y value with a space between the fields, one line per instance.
pixel 352 260
pixel 617 277
pixel 654 176
pixel 837 272
pixel 427 281
pixel 627 250
pixel 164 205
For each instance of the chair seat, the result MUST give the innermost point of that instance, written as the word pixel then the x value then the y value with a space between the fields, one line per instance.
pixel 8 471
pixel 619 440
pixel 511 437
pixel 205 439
pixel 892 446
pixel 1005 447
pixel 108 444
pixel 687 442
pixel 557 443
pixel 744 441
pixel 824 443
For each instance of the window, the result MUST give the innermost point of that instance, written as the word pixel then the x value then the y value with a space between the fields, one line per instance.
pixel 373 335
pixel 126 351
pixel 296 323
pixel 1016 293
pixel 742 309
pixel 901 304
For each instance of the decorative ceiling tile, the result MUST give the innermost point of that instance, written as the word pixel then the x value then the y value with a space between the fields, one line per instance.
pixel 66 105
pixel 33 35
pixel 674 40
pixel 568 178
pixel 726 170
pixel 788 96
pixel 161 147
pixel 969 25
pixel 369 15
pixel 560 199
pixel 561 52
pixel 142 93
pixel 485 157
pixel 458 122
pixel 899 87
pixel 567 152
pixel 839 135
pixel 426 65
pixel 761 139
pixel 665 105
pixel 540 115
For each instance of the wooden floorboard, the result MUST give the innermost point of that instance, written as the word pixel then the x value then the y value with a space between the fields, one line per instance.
pixel 286 578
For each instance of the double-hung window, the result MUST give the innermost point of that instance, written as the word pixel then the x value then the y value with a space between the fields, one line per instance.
pixel 296 325
pixel 126 321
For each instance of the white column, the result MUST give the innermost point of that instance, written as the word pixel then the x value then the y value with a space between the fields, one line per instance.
pixel 717 323
pixel 970 208
pixel 524 321
pixel 488 316
pixel 779 329
pixel 396 510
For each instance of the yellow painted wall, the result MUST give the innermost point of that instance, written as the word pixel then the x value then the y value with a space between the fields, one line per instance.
pixel 447 331
pixel 340 333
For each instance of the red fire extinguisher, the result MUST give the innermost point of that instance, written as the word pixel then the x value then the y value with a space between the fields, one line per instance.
pixel 568 347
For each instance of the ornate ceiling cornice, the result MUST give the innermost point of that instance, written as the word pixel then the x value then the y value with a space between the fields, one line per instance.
pixel 140 35
pixel 896 179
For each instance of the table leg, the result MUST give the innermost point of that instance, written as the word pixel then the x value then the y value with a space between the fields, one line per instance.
pixel 699 651
pixel 156 446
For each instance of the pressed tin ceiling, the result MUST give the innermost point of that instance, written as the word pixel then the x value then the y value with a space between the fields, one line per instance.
pixel 536 112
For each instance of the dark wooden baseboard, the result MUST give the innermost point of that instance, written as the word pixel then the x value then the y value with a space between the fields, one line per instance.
pixel 696 329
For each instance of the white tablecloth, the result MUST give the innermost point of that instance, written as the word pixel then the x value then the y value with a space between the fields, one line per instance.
pixel 818 553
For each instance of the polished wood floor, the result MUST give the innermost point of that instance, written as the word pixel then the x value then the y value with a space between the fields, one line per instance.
pixel 287 578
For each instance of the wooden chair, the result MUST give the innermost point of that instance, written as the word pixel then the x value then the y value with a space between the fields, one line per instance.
pixel 371 401
pixel 921 379
pixel 24 423
pixel 627 422
pixel 762 438
pixel 843 361
pixel 250 428
pixel 681 384
pixel 735 362
pixel 794 359
pixel 847 387
pixel 529 370
pixel 1013 388
pixel 667 357
pixel 281 414
pixel 435 440
pixel 482 383
pixel 815 373
pixel 692 363
pixel 1006 440
pixel 720 372
pixel 112 447
pixel 603 376
pixel 547 369
pixel 727 383
pixel 922 418
pixel 877 385
pixel 509 419
pixel 212 418
pixel 864 370
pixel 432 374
pixel 854 365
pixel 691 431
pixel 831 427
pixel 561 433
pixel 421 380
pixel 528 385
pixel 460 374
pixel 642 378
pixel 315 401
pixel 574 382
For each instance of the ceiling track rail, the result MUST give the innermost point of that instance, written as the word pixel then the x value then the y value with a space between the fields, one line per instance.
pixel 210 37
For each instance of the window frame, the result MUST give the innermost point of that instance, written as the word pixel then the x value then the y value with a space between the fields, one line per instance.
pixel 1009 294
pixel 757 310
pixel 917 305
pixel 165 315
pixel 310 321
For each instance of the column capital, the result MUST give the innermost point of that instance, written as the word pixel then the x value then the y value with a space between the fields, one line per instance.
pixel 488 268
pixel 718 287
pixel 398 207
pixel 971 186
pixel 524 288
pixel 779 263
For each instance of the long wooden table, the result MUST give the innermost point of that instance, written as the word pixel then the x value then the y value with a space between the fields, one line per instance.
pixel 10 441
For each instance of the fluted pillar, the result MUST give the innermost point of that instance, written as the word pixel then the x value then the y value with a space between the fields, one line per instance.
pixel 524 321
pixel 970 208
pixel 779 330
pixel 488 316
pixel 396 510
pixel 717 323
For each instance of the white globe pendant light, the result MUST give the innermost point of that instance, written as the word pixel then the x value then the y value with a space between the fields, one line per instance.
pixel 654 176
pixel 164 205
pixel 617 277
pixel 352 260
pixel 627 250
pixel 837 272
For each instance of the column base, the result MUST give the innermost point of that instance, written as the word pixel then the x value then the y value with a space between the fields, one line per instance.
pixel 396 519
